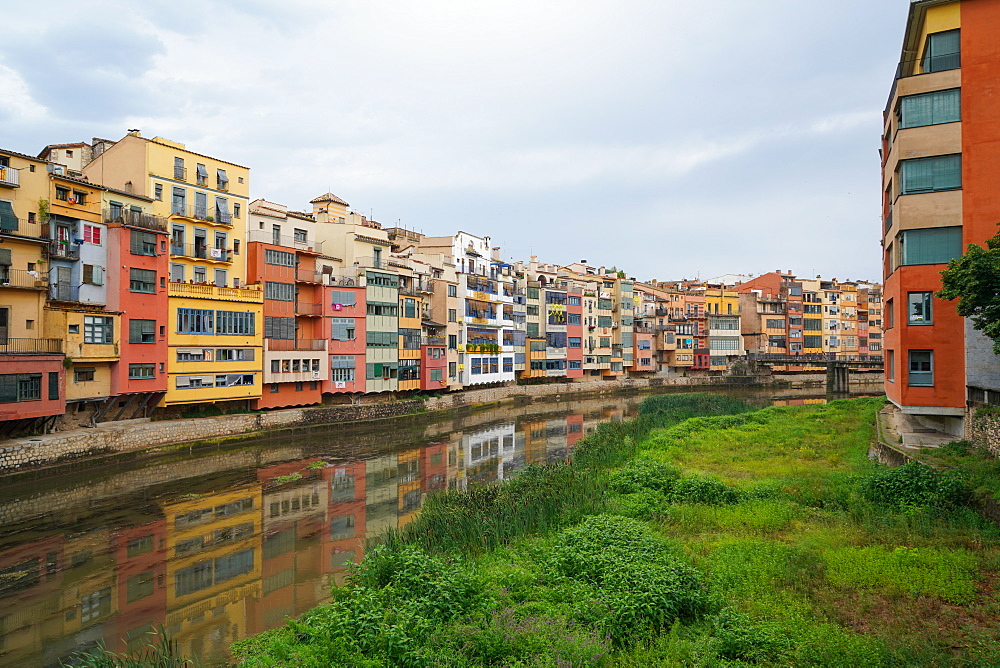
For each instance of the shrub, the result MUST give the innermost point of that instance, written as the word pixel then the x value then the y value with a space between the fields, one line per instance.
pixel 643 582
pixel 699 489
pixel 643 505
pixel 737 637
pixel 640 474
pixel 913 485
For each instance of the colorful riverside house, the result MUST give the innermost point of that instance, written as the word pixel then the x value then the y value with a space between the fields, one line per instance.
pixel 137 243
pixel 214 332
pixel 363 247
pixel 410 328
pixel 282 254
pixel 485 288
pixel 574 329
pixel 77 310
pixel 725 342
pixel 32 377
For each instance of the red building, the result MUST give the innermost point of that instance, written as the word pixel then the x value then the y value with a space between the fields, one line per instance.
pixel 345 332
pixel 281 256
pixel 138 240
pixel 940 150
pixel 574 332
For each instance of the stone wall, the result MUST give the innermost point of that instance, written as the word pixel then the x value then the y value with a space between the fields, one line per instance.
pixel 133 435
pixel 982 427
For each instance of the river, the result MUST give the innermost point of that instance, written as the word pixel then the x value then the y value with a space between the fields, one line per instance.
pixel 219 543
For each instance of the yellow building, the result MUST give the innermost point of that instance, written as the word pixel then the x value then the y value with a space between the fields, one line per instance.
pixel 215 323
pixel 410 307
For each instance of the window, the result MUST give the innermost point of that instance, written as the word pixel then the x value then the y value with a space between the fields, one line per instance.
pixel 342 375
pixel 238 323
pixel 452 290
pixel 575 364
pixel 918 308
pixel 452 369
pixel 222 214
pixel 921 367
pixel 158 191
pixel 604 321
pixel 236 209
pixel 279 258
pixel 936 245
pixel 774 324
pixel 142 280
pixel 142 243
pixel 452 315
pixel 201 173
pixel 221 179
pixel 574 342
pixel 79 197
pixel 379 308
pixel 234 354
pixel 409 308
pixel 299 236
pixel 573 300
pixel 98 329
pixel 573 318
pixel 452 342
pixel 437 375
pixel 343 297
pixel 234 379
pixel 200 205
pixel 279 328
pixel 83 374
pixel 177 202
pixel 934 174
pixel 62 194
pixel 940 106
pixel 284 292
pixel 195 321
pixel 342 329
pixel 381 339
pixel 141 371
pixel 942 52
pixel 92 234
pixel 22 387
pixel 141 331
pixel 179 171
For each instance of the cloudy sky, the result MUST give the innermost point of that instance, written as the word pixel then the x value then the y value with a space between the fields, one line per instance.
pixel 673 139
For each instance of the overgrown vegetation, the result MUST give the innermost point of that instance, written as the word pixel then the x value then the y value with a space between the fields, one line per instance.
pixel 157 652
pixel 700 534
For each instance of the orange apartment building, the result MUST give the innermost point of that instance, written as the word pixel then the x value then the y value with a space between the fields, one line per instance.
pixel 940 150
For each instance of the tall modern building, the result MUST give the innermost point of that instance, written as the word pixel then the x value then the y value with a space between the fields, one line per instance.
pixel 940 162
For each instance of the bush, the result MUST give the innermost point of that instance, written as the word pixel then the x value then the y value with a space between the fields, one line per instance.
pixel 913 485
pixel 643 582
pixel 699 489
pixel 641 474
pixel 737 637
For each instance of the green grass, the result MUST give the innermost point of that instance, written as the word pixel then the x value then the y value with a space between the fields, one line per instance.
pixel 698 534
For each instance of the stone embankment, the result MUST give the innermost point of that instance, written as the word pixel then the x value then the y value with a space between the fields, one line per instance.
pixel 23 454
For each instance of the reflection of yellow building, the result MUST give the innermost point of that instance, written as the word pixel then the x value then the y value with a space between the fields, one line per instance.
pixel 409 495
pixel 89 588
pixel 214 552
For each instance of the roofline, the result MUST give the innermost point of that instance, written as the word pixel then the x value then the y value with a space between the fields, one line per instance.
pixel 185 149
pixel 7 151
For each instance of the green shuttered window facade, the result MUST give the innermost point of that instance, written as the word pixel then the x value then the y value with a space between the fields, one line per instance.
pixel 8 219
pixel 936 245
pixel 940 106
pixel 942 51
pixel 925 175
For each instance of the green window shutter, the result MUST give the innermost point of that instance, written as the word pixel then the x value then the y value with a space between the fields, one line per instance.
pixel 940 172
pixel 5 257
pixel 917 110
pixel 8 219
pixel 946 106
pixel 931 246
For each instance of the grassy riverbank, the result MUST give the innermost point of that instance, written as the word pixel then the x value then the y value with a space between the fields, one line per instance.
pixel 700 533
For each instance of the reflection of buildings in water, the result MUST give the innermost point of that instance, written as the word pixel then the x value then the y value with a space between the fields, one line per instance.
pixel 142 593
pixel 344 532
pixel 214 566
pixel 489 453
pixel 409 492
pixel 799 402
pixel 434 467
pixel 294 518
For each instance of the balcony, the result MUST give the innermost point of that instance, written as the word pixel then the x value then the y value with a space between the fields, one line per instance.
pixel 135 219
pixel 80 351
pixel 432 341
pixel 64 250
pixel 295 344
pixel 306 245
pixel 9 346
pixel 200 252
pixel 204 214
pixel 307 309
pixel 9 177
pixel 253 295
pixel 309 276
pixel 21 278
pixel 373 262
pixel 411 290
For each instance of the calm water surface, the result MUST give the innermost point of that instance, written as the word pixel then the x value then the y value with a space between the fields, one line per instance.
pixel 221 543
